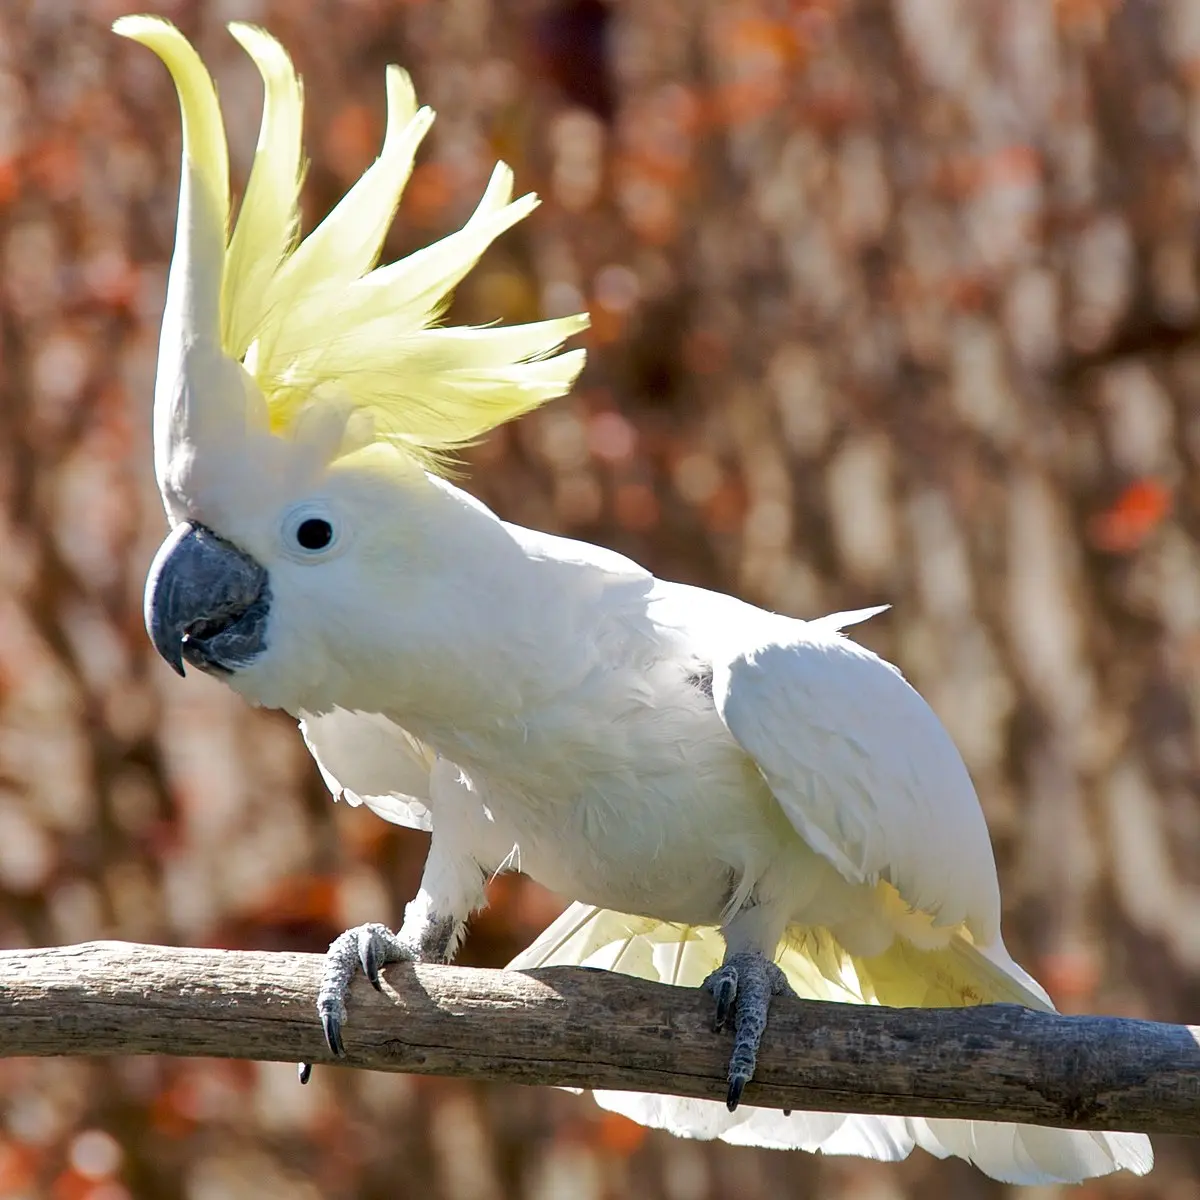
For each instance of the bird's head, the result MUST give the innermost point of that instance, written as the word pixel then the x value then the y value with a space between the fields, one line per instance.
pixel 301 388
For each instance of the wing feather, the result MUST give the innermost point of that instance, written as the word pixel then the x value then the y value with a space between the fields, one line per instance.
pixel 366 759
pixel 862 767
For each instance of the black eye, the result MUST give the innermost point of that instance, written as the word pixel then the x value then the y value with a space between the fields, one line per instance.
pixel 314 534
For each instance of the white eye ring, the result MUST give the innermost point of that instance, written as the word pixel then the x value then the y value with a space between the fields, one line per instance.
pixel 311 533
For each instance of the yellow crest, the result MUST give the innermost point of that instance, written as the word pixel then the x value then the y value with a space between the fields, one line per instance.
pixel 258 318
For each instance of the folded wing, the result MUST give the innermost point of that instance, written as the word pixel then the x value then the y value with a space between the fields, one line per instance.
pixel 366 759
pixel 862 767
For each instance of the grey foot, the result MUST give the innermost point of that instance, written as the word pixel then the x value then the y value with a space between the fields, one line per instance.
pixel 744 985
pixel 369 946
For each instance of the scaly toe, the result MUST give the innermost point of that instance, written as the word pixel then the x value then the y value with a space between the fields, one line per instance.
pixel 723 985
pixel 368 953
pixel 725 991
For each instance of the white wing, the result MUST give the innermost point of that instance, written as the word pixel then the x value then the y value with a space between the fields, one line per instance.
pixel 862 767
pixel 818 969
pixel 366 759
pixel 868 776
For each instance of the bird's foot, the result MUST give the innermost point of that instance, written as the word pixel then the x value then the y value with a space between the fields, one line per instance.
pixel 370 946
pixel 743 986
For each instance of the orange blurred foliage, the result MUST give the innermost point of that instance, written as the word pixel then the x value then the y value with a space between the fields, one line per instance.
pixel 352 140
pixel 430 191
pixel 18 1167
pixel 295 899
pixel 1090 16
pixel 636 507
pixel 10 183
pixel 1124 526
pixel 618 1135
pixel 53 165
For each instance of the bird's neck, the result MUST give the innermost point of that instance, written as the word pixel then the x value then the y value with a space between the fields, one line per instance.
pixel 475 630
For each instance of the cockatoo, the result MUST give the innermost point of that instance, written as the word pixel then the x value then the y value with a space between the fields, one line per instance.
pixel 734 799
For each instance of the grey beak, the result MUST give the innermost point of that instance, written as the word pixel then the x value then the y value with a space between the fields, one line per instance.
pixel 206 602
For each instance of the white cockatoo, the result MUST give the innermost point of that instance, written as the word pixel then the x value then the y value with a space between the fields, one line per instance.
pixel 732 798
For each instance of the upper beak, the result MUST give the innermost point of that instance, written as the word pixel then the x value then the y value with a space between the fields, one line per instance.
pixel 206 601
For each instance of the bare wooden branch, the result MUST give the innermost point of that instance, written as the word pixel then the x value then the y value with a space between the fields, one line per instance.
pixel 572 1026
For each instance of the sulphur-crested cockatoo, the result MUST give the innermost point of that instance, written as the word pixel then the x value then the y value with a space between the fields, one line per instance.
pixel 733 798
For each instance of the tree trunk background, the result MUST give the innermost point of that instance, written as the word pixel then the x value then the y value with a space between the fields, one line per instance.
pixel 895 301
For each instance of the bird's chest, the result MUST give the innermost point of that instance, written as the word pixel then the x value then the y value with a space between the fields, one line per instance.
pixel 651 812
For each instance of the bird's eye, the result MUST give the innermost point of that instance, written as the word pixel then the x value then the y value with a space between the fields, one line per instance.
pixel 314 533
pixel 311 531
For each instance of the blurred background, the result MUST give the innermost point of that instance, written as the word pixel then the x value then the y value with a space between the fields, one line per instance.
pixel 893 300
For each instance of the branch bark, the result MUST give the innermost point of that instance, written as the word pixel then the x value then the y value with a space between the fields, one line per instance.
pixel 585 1028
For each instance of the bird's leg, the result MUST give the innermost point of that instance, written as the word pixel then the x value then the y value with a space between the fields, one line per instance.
pixel 432 930
pixel 744 985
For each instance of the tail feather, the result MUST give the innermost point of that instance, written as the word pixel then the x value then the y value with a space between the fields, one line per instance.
pixel 1031 1154
pixel 818 968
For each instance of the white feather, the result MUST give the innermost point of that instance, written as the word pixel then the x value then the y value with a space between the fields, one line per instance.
pixel 365 759
pixel 875 783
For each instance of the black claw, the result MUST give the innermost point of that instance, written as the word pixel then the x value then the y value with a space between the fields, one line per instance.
pixel 370 963
pixel 736 1086
pixel 304 1070
pixel 787 1112
pixel 725 992
pixel 333 1034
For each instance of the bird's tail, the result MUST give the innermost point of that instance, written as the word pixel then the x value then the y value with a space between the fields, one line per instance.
pixel 819 969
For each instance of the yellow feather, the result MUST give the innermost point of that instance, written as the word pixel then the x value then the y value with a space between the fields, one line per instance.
pixel 956 975
pixel 407 294
pixel 347 243
pixel 194 289
pixel 421 276
pixel 434 397
pixel 817 966
pixel 268 222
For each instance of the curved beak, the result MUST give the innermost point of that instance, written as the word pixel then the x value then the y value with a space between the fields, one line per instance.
pixel 206 602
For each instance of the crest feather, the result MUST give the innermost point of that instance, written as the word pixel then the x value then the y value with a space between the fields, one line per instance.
pixel 347 242
pixel 194 286
pixel 441 389
pixel 317 325
pixel 268 222
pixel 407 294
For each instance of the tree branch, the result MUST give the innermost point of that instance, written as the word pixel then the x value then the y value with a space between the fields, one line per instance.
pixel 570 1026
